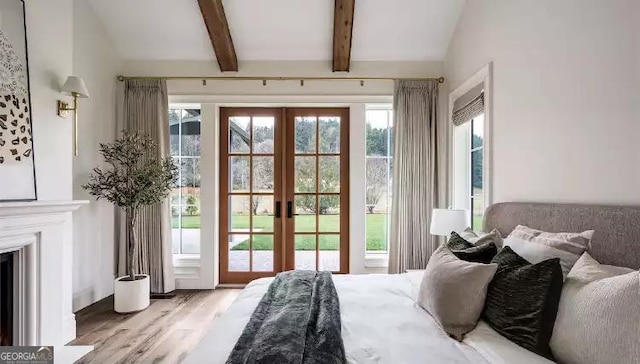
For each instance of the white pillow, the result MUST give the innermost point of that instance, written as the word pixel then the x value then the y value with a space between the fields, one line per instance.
pixel 481 238
pixel 537 246
pixel 599 315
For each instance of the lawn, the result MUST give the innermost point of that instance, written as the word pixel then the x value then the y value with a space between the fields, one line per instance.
pixel 376 231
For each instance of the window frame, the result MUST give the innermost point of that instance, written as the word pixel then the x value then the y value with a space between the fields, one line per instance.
pixel 378 258
pixel 460 166
pixel 178 159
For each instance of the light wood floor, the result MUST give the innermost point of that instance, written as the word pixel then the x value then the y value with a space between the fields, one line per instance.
pixel 166 332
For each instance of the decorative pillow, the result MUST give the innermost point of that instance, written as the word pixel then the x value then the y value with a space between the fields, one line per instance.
pixel 599 315
pixel 481 238
pixel 536 246
pixel 522 300
pixel 453 291
pixel 471 253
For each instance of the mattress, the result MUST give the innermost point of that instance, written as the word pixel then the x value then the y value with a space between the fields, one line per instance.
pixel 380 324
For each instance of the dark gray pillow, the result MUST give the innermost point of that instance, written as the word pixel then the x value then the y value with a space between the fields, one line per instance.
pixel 464 250
pixel 522 300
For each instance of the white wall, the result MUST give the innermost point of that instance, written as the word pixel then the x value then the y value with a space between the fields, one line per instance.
pixel 96 60
pixel 50 46
pixel 566 95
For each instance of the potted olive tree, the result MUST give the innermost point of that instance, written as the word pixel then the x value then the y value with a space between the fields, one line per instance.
pixel 133 179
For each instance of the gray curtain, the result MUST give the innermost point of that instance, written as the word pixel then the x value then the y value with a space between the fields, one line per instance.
pixel 143 106
pixel 415 174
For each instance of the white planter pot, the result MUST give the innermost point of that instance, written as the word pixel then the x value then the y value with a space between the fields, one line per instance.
pixel 131 296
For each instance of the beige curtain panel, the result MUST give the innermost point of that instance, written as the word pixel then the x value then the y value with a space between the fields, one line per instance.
pixel 144 107
pixel 415 174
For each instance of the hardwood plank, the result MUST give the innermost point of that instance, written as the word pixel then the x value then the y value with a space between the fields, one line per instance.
pixel 219 33
pixel 166 332
pixel 342 31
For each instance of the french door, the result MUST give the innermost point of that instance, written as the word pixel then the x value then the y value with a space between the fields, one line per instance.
pixel 284 191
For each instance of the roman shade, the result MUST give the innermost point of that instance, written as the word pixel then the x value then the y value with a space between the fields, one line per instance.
pixel 469 105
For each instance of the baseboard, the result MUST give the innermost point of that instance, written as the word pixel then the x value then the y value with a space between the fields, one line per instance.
pixel 68 329
pixel 163 296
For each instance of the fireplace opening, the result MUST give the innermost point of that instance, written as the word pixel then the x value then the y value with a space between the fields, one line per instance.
pixel 6 299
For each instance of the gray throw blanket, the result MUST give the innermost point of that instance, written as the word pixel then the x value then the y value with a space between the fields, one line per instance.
pixel 297 321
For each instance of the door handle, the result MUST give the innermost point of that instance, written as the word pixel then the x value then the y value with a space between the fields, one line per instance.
pixel 289 209
pixel 278 207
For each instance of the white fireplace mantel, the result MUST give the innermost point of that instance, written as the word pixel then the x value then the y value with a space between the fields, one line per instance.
pixel 39 207
pixel 41 233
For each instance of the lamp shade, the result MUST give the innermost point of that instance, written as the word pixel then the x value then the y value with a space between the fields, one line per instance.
pixel 444 221
pixel 75 84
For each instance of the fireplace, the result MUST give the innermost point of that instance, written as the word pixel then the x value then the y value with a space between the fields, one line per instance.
pixel 7 284
pixel 36 297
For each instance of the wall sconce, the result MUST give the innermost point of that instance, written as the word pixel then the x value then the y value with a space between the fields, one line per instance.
pixel 75 87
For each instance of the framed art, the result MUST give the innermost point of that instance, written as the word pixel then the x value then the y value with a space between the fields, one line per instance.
pixel 17 168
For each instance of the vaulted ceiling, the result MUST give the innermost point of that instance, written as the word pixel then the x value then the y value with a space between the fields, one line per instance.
pixel 280 30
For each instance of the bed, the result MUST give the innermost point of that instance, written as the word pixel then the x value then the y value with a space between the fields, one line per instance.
pixel 382 324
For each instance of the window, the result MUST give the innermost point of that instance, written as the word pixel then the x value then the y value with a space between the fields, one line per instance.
pixel 184 132
pixel 378 170
pixel 469 172
pixel 477 172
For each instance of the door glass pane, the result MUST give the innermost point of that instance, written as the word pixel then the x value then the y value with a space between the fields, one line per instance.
pixel 190 233
pixel 174 131
pixel 239 252
pixel 329 134
pixel 263 134
pixel 329 174
pixel 263 180
pixel 305 130
pixel 239 174
pixel 239 208
pixel 239 134
pixel 478 131
pixel 377 225
pixel 329 255
pixel 305 174
pixel 329 213
pixel 305 208
pixel 263 213
pixel 305 255
pixel 377 184
pixel 262 253
pixel 190 179
pixel 190 132
pixel 176 234
pixel 476 171
pixel 478 212
pixel 377 138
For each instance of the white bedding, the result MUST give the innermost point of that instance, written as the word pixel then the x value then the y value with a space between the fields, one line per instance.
pixel 380 324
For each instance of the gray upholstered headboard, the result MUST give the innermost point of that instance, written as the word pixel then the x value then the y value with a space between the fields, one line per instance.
pixel 617 228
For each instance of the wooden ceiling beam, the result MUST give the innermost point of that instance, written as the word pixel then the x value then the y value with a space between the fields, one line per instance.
pixel 218 28
pixel 342 30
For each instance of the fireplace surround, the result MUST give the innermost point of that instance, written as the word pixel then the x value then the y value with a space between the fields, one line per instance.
pixel 39 237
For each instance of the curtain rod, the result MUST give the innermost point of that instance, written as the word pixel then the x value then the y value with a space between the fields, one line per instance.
pixel 277 78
